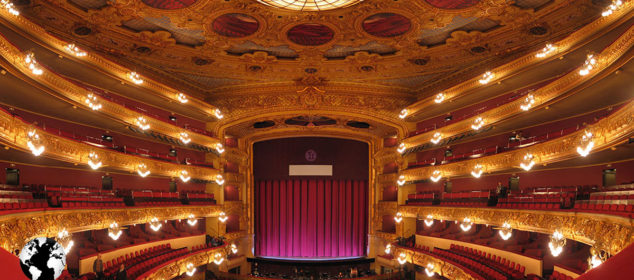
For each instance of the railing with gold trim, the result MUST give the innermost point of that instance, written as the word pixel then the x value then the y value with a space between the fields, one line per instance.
pixel 79 95
pixel 606 132
pixel 14 132
pixel 541 96
pixel 104 64
pixel 178 267
pixel 17 229
pixel 609 233
pixel 444 268
pixel 563 46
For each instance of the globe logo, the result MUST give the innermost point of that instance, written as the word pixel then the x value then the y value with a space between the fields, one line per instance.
pixel 42 259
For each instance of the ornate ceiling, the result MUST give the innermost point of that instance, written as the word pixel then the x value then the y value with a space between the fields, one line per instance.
pixel 247 54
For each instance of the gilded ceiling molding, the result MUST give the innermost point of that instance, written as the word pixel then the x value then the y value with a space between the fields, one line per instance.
pixel 17 229
pixel 606 61
pixel 178 267
pixel 15 133
pixel 604 232
pixel 444 268
pixel 605 133
pixel 79 97
pixel 563 46
pixel 105 65
pixel 124 43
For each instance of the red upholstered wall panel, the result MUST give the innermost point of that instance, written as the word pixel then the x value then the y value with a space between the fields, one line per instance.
pixel 349 158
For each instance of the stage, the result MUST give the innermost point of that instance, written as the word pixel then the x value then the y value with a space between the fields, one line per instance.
pixel 316 267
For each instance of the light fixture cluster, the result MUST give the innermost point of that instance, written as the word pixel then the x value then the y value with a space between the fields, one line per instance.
pixel 182 98
pixel 403 113
pixel 223 217
pixel 8 5
pixel 142 170
pixel 588 65
pixel 586 144
pixel 477 123
pixel 549 48
pixel 528 102
pixel 191 220
pixel 142 123
pixel 616 4
pixel 218 259
pixel 436 176
pixel 398 218
pixel 32 64
pixel 34 142
pixel 135 77
pixel 429 220
pixel 184 175
pixel 74 50
pixel 219 179
pixel 218 114
pixel 220 148
pixel 65 239
pixel 401 148
pixel 597 258
pixel 466 224
pixel 234 248
pixel 557 243
pixel 402 258
pixel 114 231
pixel 92 102
pixel 184 137
pixel 439 98
pixel 388 248
pixel 190 269
pixel 506 231
pixel 486 77
pixel 429 270
pixel 477 171
pixel 155 224
pixel 528 162
pixel 401 180
pixel 93 161
pixel 435 139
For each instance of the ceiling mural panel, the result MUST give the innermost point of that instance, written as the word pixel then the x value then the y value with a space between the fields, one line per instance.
pixel 169 4
pixel 341 52
pixel 281 52
pixel 387 25
pixel 431 37
pixel 181 35
pixel 90 4
pixel 235 25
pixel 310 34
pixel 452 4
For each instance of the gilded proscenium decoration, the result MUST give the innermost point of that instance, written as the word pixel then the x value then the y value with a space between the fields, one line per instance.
pixel 14 133
pixel 16 230
pixel 563 46
pixel 609 132
pixel 179 267
pixel 78 94
pixel 541 95
pixel 105 64
pixel 513 21
pixel 609 233
pixel 441 267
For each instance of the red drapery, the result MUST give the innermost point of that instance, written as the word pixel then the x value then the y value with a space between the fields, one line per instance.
pixel 311 218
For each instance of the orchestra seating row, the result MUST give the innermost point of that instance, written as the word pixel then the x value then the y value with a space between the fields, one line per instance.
pixel 476 269
pixel 559 276
pixel 131 259
pixel 149 198
pixel 501 264
pixel 147 264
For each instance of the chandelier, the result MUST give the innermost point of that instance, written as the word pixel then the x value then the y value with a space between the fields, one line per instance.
pixel 597 258
pixel 546 50
pixel 234 248
pixel 309 5
pixel 34 142
pixel 439 98
pixel 528 162
pixel 191 220
pixel 184 175
pixel 191 269
pixel 477 171
pixel 135 78
pixel 184 137
pixel 93 102
pixel 398 218
pixel 182 98
pixel 155 224
pixel 142 170
pixel 219 179
pixel 9 7
pixel 588 65
pixel 114 231
pixel 218 258
pixel 66 240
pixel 466 224
pixel 616 4
pixel 528 102
pixel 220 148
pixel 586 144
pixel 401 180
pixel 93 161
pixel 477 123
pixel 429 220
pixel 435 176
pixel 436 138
pixel 403 113
pixel 429 270
pixel 557 243
pixel 74 50
pixel 388 248
pixel 401 148
pixel 218 114
pixel 142 123
pixel 223 217
pixel 486 77
pixel 506 231
pixel 32 64
pixel 402 258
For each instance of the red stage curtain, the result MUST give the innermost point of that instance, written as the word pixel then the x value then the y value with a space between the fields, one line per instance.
pixel 311 218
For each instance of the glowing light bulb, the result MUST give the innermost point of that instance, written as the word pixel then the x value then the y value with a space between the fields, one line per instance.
pixel 92 102
pixel 32 64
pixel 549 48
pixel 436 138
pixel 477 123
pixel 528 162
pixel 528 102
pixel 402 258
pixel 486 77
pixel 223 217
pixel 439 98
pixel 219 179
pixel 586 144
pixel 398 218
pixel 218 114
pixel 220 148
pixel 142 123
pixel 93 161
pixel 114 231
pixel 143 170
pixel 74 50
pixel 135 78
pixel 429 220
pixel 435 176
pixel 588 65
pixel 191 269
pixel 557 243
pixel 401 180
pixel 182 98
pixel 506 231
pixel 477 171
pixel 65 239
pixel 155 224
pixel 388 248
pixel 218 259
pixel 184 137
pixel 466 224
pixel 616 4
pixel 184 175
pixel 9 7
pixel 234 248
pixel 191 220
pixel 429 270
pixel 401 148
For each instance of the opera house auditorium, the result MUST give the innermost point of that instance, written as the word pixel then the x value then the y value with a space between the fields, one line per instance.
pixel 316 139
